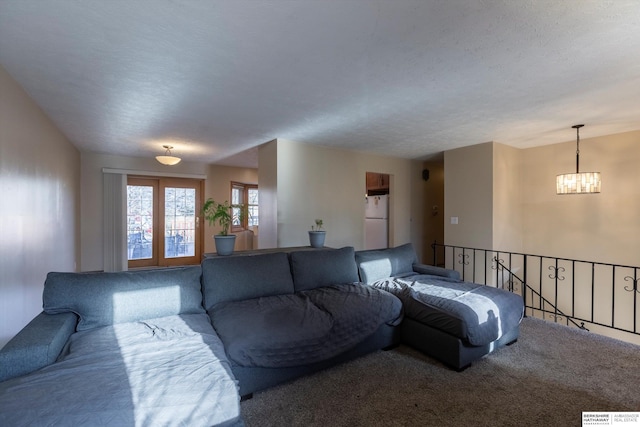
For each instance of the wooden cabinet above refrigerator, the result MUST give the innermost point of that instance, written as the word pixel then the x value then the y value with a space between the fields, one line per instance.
pixel 377 183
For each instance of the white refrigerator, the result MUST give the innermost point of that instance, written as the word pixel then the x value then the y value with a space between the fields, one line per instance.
pixel 376 222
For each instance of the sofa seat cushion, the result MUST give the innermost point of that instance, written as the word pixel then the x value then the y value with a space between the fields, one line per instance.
pixel 302 328
pixel 474 313
pixel 167 371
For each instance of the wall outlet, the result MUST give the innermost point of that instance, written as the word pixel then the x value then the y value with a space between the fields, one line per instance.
pixel 454 220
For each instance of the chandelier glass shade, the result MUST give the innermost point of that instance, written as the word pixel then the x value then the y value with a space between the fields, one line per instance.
pixel 168 159
pixel 579 182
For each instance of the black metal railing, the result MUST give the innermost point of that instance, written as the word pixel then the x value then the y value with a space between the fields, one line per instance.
pixel 589 295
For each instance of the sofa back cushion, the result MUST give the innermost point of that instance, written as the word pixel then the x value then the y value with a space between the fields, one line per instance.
pixel 374 265
pixel 235 278
pixel 316 268
pixel 102 299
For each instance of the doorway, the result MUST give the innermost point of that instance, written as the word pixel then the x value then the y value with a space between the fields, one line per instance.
pixel 377 203
pixel 163 221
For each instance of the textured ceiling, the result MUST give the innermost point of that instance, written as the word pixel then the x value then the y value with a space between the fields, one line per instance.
pixel 402 78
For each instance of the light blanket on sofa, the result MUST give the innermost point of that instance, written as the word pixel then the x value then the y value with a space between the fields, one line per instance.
pixel 476 313
pixel 166 371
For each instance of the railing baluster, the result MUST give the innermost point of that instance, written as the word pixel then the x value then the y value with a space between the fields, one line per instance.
pixel 524 294
pixel 635 300
pixel 510 269
pixel 593 291
pixel 485 270
pixel 613 296
pixel 573 288
pixel 540 287
pixel 555 285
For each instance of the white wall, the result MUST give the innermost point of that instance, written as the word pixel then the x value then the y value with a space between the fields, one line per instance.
pixel 39 186
pixel 328 183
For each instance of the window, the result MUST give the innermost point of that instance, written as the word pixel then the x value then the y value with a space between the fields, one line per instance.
pixel 244 199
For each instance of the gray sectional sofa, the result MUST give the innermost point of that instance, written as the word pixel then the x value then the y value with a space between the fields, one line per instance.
pixel 180 346
pixel 451 320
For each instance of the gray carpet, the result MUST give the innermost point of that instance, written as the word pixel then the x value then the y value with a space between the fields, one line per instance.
pixel 547 378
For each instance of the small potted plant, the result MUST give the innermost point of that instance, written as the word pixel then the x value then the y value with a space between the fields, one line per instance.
pixel 221 213
pixel 317 235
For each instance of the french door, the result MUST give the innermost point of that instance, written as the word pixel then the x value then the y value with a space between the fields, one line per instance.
pixel 163 221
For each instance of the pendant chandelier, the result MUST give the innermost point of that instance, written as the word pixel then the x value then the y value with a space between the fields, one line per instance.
pixel 579 182
pixel 168 159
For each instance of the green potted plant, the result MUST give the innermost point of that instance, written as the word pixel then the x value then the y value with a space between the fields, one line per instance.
pixel 317 235
pixel 221 213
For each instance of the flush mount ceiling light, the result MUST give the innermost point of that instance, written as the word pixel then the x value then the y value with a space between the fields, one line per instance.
pixel 168 159
pixel 579 182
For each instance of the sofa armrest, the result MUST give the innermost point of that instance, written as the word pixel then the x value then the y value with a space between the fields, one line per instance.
pixel 37 345
pixel 436 271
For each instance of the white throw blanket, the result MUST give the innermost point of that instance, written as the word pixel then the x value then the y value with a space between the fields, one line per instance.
pixel 170 371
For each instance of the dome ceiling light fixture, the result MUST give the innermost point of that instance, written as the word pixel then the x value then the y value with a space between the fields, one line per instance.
pixel 168 159
pixel 579 182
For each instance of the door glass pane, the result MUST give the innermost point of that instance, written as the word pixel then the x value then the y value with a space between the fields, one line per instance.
pixel 139 222
pixel 179 222
pixel 253 206
pixel 237 195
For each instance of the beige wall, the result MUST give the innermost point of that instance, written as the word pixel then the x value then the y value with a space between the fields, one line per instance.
pixel 507 198
pixel 468 187
pixel 39 184
pixel 596 227
pixel 516 208
pixel 268 200
pixel 327 183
